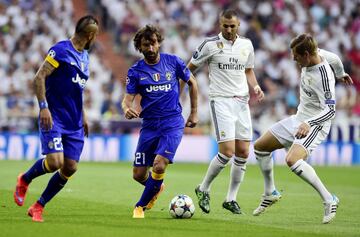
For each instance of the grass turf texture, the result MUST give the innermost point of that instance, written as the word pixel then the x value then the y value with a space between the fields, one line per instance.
pixel 99 199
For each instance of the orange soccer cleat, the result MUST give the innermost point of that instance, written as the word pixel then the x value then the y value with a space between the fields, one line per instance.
pixel 153 200
pixel 20 190
pixel 138 212
pixel 35 211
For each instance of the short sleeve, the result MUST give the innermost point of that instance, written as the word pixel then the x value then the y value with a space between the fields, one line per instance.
pixel 131 82
pixel 251 58
pixel 55 56
pixel 182 71
pixel 201 54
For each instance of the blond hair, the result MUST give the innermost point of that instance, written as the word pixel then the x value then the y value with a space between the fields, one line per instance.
pixel 302 43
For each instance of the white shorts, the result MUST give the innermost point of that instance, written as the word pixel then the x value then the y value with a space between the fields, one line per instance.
pixel 285 131
pixel 231 118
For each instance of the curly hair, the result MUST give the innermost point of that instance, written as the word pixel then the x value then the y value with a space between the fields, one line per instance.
pixel 146 32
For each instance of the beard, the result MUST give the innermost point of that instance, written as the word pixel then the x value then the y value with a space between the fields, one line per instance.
pixel 87 45
pixel 151 56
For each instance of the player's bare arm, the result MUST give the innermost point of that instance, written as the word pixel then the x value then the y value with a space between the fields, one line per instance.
pixel 39 86
pixel 85 123
pixel 193 92
pixel 250 75
pixel 126 105
pixel 192 69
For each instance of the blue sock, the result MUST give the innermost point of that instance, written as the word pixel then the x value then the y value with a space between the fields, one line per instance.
pixel 56 183
pixel 36 170
pixel 152 187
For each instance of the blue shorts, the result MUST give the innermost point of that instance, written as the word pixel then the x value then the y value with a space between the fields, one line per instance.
pixel 158 137
pixel 70 143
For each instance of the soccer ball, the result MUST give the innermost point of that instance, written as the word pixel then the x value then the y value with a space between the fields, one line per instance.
pixel 181 206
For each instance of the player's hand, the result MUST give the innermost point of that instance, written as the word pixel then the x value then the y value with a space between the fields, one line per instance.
pixel 131 113
pixel 192 120
pixel 347 80
pixel 259 93
pixel 303 130
pixel 86 127
pixel 46 121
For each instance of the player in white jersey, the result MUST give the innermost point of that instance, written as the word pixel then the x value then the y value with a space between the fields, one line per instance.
pixel 300 134
pixel 231 61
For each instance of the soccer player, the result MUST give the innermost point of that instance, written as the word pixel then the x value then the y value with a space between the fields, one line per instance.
pixel 59 85
pixel 230 59
pixel 303 132
pixel 156 79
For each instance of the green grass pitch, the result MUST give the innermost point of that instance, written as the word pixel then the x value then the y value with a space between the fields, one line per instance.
pixel 99 199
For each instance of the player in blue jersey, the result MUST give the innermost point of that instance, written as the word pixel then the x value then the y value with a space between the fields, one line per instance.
pixel 59 85
pixel 156 79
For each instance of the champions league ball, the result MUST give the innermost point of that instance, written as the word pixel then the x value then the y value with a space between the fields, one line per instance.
pixel 182 207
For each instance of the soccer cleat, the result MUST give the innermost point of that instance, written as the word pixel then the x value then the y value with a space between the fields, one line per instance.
pixel 203 199
pixel 330 210
pixel 153 200
pixel 138 212
pixel 35 211
pixel 232 206
pixel 20 190
pixel 266 202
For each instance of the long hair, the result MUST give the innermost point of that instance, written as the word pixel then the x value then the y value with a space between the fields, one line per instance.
pixel 146 32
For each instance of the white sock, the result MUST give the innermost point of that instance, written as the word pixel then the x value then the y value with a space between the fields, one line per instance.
pixel 266 164
pixel 307 173
pixel 237 173
pixel 216 165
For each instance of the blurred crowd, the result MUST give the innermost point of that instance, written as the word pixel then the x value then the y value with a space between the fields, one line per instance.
pixel 28 28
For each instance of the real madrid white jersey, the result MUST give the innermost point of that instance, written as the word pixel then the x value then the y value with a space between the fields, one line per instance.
pixel 334 61
pixel 227 63
pixel 317 94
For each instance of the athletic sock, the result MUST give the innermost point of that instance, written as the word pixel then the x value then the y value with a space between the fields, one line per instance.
pixel 216 165
pixel 56 183
pixel 39 168
pixel 237 174
pixel 266 165
pixel 307 173
pixel 152 187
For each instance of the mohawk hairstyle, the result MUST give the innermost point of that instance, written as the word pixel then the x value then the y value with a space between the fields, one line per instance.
pixel 83 22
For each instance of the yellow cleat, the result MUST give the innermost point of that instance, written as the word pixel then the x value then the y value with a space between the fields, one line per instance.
pixel 153 200
pixel 138 212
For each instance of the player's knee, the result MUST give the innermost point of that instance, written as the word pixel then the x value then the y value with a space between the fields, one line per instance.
pixel 290 161
pixel 243 153
pixel 258 146
pixel 69 170
pixel 159 168
pixel 54 164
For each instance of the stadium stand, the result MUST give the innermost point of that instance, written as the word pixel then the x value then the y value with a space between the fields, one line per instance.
pixel 28 28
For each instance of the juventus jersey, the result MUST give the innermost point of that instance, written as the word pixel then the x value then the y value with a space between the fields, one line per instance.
pixel 317 93
pixel 227 63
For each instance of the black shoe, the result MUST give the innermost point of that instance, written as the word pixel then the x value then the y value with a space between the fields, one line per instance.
pixel 203 199
pixel 232 206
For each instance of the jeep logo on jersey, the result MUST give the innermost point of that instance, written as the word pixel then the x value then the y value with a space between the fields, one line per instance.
pixel 165 87
pixel 156 77
pixel 79 80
